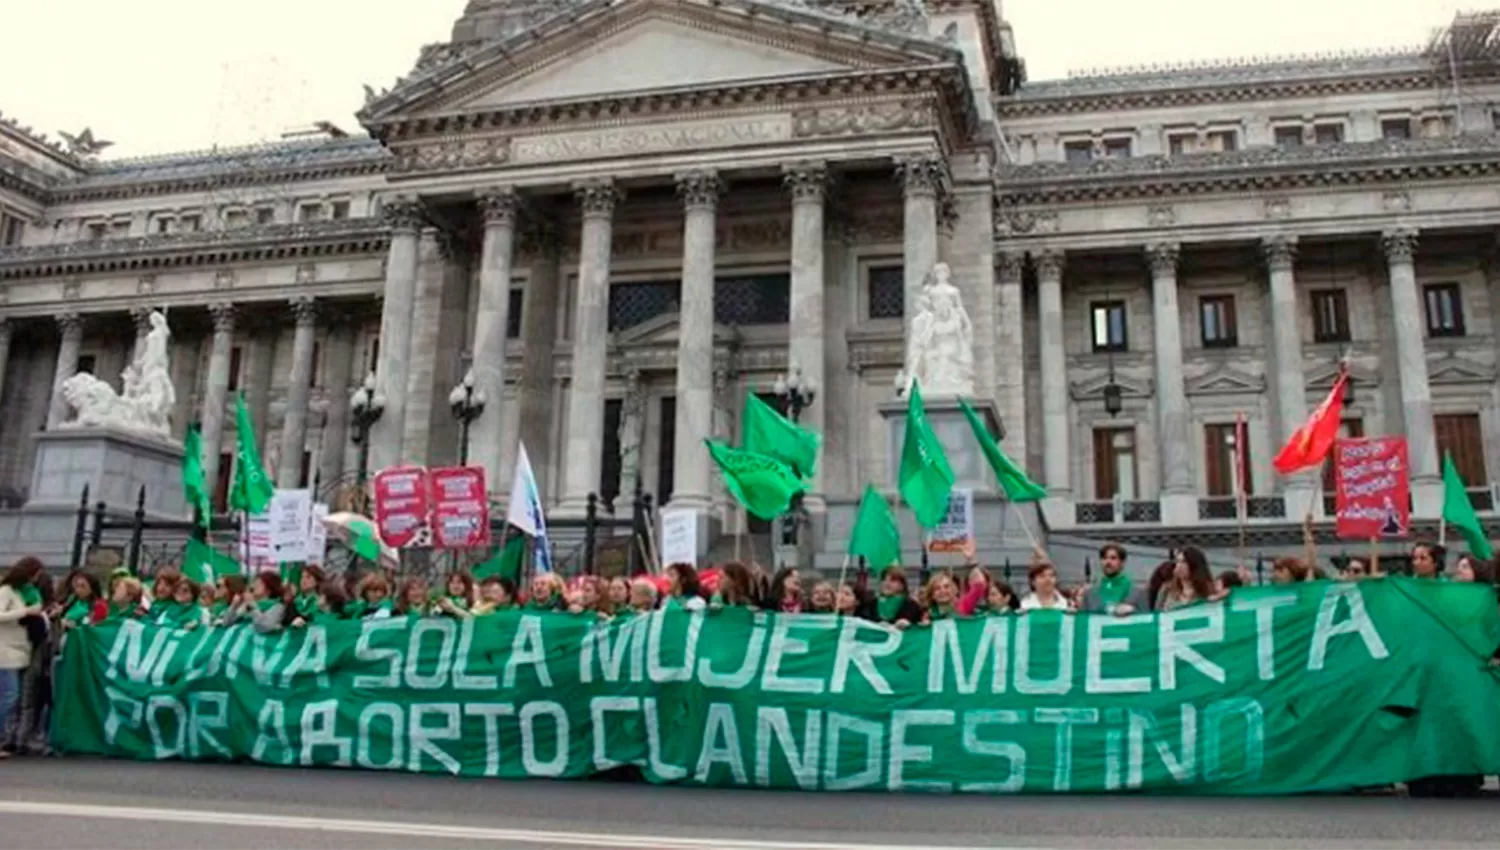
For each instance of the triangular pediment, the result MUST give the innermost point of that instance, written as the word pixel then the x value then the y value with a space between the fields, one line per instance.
pixel 606 49
pixel 1320 378
pixel 1226 380
pixel 1454 369
pixel 1092 389
pixel 662 332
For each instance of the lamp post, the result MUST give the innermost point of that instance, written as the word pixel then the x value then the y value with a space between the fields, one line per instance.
pixel 796 393
pixel 365 406
pixel 467 403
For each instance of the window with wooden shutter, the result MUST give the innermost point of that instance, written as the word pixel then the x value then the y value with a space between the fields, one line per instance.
pixel 1114 463
pixel 1458 435
pixel 1219 459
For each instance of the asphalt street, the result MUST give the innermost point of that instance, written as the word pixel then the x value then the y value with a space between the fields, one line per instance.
pixel 86 803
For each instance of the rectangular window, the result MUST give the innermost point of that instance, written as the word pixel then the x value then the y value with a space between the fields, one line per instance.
pixel 1348 429
pixel 1445 309
pixel 1181 143
pixel 885 290
pixel 265 215
pixel 190 224
pixel 310 212
pixel 1458 436
pixel 1117 148
pixel 221 482
pixel 10 232
pixel 1078 152
pixel 666 449
pixel 86 363
pixel 1289 137
pixel 609 466
pixel 235 219
pixel 513 314
pixel 234 368
pixel 1395 129
pixel 338 210
pixel 1221 461
pixel 1328 134
pixel 1107 325
pixel 1219 328
pixel 1223 141
pixel 164 224
pixel 1114 463
pixel 97 231
pixel 1330 315
pixel 312 374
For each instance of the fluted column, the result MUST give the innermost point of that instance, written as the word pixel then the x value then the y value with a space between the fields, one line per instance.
pixel 294 423
pixel 695 339
pixel 922 178
pixel 393 369
pixel 537 386
pixel 1010 353
pixel 1291 385
pixel 1173 429
pixel 590 345
pixel 1054 363
pixel 141 318
pixel 808 184
pixel 70 330
pixel 499 207
pixel 339 379
pixel 216 391
pixel 1411 357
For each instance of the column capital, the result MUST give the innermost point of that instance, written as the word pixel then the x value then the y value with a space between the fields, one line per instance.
pixel 223 314
pixel 1049 263
pixel 922 174
pixel 699 189
pixel 305 310
pixel 498 205
pixel 1010 264
pixel 70 324
pixel 598 198
pixel 1163 257
pixel 1400 245
pixel 807 181
pixel 403 213
pixel 1280 252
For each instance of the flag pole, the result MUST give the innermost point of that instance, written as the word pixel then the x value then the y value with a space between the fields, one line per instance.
pixel 843 570
pixel 1026 527
pixel 1374 556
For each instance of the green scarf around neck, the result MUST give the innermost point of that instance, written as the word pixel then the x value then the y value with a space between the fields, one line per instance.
pixel 889 605
pixel 1114 590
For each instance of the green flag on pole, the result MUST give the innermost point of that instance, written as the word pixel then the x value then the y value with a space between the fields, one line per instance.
pixel 252 489
pixel 762 484
pixel 507 562
pixel 875 537
pixel 925 479
pixel 1458 511
pixel 204 564
pixel 194 488
pixel 1017 487
pixel 769 433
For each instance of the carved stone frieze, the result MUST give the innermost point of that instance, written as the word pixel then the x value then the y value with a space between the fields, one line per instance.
pixel 451 155
pixel 72 290
pixel 859 120
pixel 224 279
pixel 1161 215
pixel 1008 267
pixel 146 285
pixel 1011 221
pixel 307 272
pixel 1278 209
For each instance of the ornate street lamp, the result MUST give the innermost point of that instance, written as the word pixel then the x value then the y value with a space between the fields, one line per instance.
pixel 366 407
pixel 467 403
pixel 797 392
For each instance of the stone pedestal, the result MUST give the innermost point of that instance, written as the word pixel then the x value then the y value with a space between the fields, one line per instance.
pixel 970 469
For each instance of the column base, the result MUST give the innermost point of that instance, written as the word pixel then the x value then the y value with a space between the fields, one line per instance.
pixel 1179 509
pixel 1427 498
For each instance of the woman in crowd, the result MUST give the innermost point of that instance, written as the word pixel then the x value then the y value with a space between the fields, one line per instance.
pixel 412 601
pixel 308 601
pixel 822 598
pixel 1159 578
pixel 786 592
pixel 546 594
pixel 372 598
pixel 262 606
pixel 1355 569
pixel 458 592
pixel 1191 581
pixel 208 597
pixel 163 608
pixel 1290 571
pixel 1226 583
pixel 847 602
pixel 941 596
pixel 333 603
pixel 618 593
pixel 126 599
pixel 736 587
pixel 587 597
pixel 683 589
pixel 83 605
pixel 1044 595
pixel 495 594
pixel 643 595
pixel 185 612
pixel 1472 569
pixel 15 645
pixel 999 599
pixel 227 590
pixel 1427 560
pixel 894 605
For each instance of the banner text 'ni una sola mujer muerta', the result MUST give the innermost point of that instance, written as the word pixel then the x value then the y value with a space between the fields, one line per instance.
pixel 1277 690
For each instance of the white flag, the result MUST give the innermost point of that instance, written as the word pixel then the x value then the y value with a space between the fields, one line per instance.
pixel 525 510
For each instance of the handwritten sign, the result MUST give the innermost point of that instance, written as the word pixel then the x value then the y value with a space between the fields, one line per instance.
pixel 679 537
pixel 401 505
pixel 1373 488
pixel 955 533
pixel 290 515
pixel 460 507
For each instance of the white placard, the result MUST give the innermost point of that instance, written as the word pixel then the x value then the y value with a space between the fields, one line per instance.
pixel 258 542
pixel 679 537
pixel 317 535
pixel 290 514
pixel 957 527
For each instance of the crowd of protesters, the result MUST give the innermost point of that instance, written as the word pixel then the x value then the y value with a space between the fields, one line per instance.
pixel 36 615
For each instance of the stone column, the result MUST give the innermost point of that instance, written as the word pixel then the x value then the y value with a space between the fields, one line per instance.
pixel 808 184
pixel 6 329
pixel 1179 504
pixel 923 178
pixel 141 318
pixel 1056 430
pixel 1411 357
pixel 70 329
pixel 216 393
pixel 1291 386
pixel 590 345
pixel 339 378
pixel 259 364
pixel 294 422
pixel 1010 354
pixel 695 339
pixel 498 206
pixel 405 218
pixel 537 388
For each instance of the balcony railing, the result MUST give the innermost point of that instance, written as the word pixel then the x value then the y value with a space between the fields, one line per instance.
pixel 1116 510
pixel 1256 507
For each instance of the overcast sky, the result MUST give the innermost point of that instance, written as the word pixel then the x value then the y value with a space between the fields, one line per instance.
pixel 168 75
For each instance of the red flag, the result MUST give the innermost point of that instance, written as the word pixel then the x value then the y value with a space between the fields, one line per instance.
pixel 1310 445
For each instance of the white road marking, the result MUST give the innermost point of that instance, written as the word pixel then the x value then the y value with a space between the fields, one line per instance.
pixel 435 830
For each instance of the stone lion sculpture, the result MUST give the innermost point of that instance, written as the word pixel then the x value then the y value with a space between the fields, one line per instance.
pixel 145 407
pixel 96 403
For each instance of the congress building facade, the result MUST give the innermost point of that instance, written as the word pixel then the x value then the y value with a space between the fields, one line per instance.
pixel 625 215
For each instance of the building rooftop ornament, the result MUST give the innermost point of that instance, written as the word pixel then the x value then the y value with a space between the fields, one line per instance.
pixel 84 145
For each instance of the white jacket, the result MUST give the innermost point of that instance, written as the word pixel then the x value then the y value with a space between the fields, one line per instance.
pixel 15 649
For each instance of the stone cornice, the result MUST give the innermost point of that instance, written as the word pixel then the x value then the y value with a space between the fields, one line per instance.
pixel 207 248
pixel 24 180
pixel 1254 169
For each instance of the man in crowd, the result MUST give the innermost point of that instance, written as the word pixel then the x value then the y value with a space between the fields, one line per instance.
pixel 1115 592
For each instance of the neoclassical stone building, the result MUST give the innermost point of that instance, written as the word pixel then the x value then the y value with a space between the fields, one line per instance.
pixel 624 215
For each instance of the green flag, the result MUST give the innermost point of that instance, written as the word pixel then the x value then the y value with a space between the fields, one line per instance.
pixel 876 536
pixel 194 490
pixel 763 484
pixel 507 562
pixel 252 489
pixel 769 433
pixel 925 478
pixel 1458 511
pixel 1017 487
pixel 203 563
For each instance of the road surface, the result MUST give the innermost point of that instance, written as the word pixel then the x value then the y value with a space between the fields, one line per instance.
pixel 87 803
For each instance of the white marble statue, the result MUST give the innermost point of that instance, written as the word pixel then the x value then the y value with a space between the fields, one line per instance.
pixel 940 349
pixel 145 407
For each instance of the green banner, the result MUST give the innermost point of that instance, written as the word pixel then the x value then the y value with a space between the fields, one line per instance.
pixel 1309 687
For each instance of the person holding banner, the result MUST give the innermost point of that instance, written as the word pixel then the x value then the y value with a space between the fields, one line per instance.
pixel 1044 595
pixel 785 595
pixel 1115 592
pixel 618 593
pixel 736 587
pixel 262 606
pixel 894 605
pixel 495 594
pixel 1427 560
pixel 412 601
pixel 683 589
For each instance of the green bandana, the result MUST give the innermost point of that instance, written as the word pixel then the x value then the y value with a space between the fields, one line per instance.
pixel 888 606
pixel 355 609
pixel 78 612
pixel 548 604
pixel 306 605
pixel 30 595
pixel 459 601
pixel 940 612
pixel 1114 590
pixel 996 612
pixel 120 612
pixel 164 612
pixel 218 611
pixel 265 605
